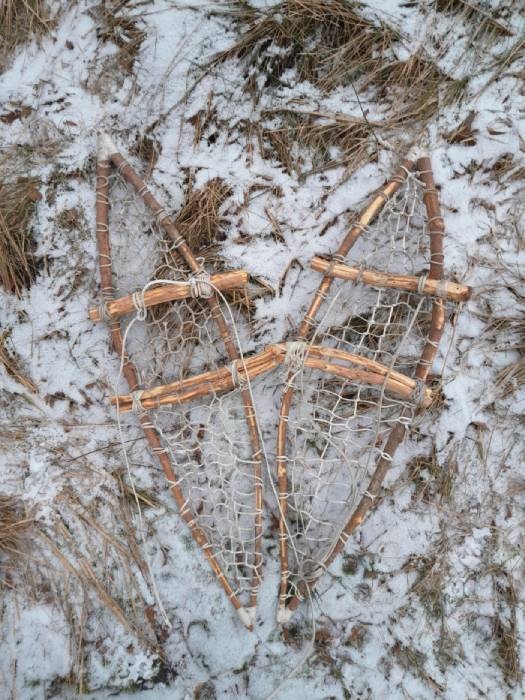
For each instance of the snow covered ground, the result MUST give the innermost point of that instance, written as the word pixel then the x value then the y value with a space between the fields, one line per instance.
pixel 427 601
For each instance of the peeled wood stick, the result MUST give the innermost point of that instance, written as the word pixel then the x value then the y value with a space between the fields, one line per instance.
pixel 366 377
pixel 167 292
pixel 370 365
pixel 408 283
pixel 202 384
pixel 436 227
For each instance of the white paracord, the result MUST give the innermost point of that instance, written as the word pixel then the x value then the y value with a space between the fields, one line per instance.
pixel 238 379
pixel 139 304
pixel 296 352
pixel 104 313
pixel 136 401
pixel 419 393
pixel 421 284
pixel 441 290
pixel 200 285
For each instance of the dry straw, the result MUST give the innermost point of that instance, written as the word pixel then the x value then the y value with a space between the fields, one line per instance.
pixel 17 261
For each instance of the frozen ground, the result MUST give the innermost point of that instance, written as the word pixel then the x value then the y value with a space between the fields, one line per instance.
pixel 427 602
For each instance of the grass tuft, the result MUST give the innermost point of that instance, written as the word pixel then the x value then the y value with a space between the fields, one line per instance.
pixel 20 20
pixel 17 261
pixel 200 220
pixel 414 88
pixel 15 524
pixel 505 630
pixel 123 30
pixel 328 43
pixel 332 139
pixel 11 363
pixel 487 25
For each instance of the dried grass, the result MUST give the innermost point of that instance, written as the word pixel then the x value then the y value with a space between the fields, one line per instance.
pixel 433 481
pixel 505 169
pixel 123 30
pixel 332 139
pixel 505 629
pixel 83 559
pixel 11 363
pixel 200 220
pixel 511 377
pixel 332 44
pixel 464 134
pixel 486 25
pixel 20 20
pixel 508 335
pixel 17 261
pixel 414 89
pixel 15 524
pixel 328 43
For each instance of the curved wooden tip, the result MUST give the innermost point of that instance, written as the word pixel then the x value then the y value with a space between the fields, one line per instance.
pixel 247 617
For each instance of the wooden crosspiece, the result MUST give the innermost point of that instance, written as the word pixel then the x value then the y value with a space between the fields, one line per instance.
pixel 325 359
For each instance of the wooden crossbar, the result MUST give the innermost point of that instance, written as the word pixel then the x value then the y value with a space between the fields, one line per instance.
pixel 357 369
pixel 166 292
pixel 409 283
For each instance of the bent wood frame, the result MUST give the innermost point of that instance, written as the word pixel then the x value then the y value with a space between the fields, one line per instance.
pixel 436 286
pixel 108 156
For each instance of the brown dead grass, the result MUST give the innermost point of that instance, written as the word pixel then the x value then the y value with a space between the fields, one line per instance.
pixel 17 206
pixel 11 363
pixel 433 481
pixel 329 43
pixel 20 20
pixel 415 89
pixel 83 560
pixel 486 24
pixel 199 219
pixel 15 523
pixel 123 30
pixel 321 133
pixel 505 629
pixel 463 134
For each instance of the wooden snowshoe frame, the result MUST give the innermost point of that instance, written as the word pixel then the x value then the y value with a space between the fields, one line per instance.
pixel 196 284
pixel 303 526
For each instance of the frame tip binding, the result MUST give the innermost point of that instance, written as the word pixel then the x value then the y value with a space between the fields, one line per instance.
pixel 247 616
pixel 105 146
pixel 284 614
pixel 416 153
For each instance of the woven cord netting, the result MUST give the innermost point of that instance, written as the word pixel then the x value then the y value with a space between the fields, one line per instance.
pixel 337 429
